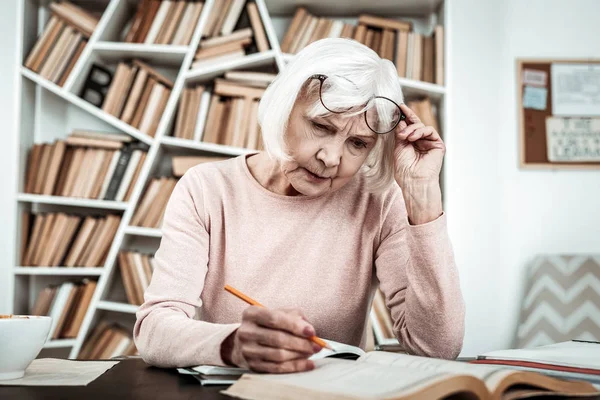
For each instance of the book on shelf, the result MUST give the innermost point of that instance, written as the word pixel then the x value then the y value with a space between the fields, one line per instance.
pixel 108 340
pixel 58 239
pixel 61 42
pixel 138 95
pixel 384 375
pixel 151 207
pixel 136 272
pixel 163 22
pixel 381 320
pixel 67 304
pixel 87 164
pixel 222 42
pixel 417 55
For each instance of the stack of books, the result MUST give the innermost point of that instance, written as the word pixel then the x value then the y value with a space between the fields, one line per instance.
pixel 221 42
pixel 136 272
pixel 195 101
pixel 59 46
pixel 92 165
pixel 138 95
pixel 59 239
pixel 416 55
pixel 164 22
pixel 67 304
pixel 151 208
pixel 106 341
pixel 232 117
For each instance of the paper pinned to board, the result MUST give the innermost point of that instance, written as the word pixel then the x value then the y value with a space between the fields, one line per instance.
pixel 573 139
pixel 59 372
pixel 535 97
pixel 534 77
pixel 575 90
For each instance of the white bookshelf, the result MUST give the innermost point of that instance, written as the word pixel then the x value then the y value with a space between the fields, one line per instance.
pixel 47 112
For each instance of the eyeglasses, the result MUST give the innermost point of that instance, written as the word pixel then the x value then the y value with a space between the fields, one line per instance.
pixel 382 114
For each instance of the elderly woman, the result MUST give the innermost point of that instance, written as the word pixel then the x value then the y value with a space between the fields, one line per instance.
pixel 346 198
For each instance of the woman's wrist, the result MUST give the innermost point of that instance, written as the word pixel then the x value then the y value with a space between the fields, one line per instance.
pixel 423 200
pixel 227 349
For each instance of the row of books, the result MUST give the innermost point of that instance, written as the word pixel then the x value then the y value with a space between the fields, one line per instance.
pixel 62 41
pixel 416 55
pixel 230 44
pixel 92 165
pixel 180 164
pixel 108 340
pixel 195 103
pixel 67 304
pixel 138 95
pixel 151 208
pixel 164 22
pixel 59 239
pixel 136 272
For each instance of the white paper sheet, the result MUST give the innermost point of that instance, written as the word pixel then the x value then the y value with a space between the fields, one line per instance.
pixel 575 90
pixel 573 139
pixel 57 372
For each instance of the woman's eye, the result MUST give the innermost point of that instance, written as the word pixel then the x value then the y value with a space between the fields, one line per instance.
pixel 319 126
pixel 359 144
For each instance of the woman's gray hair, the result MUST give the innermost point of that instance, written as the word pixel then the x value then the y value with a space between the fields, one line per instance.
pixel 351 61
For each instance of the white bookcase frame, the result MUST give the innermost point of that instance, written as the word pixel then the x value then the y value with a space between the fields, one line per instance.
pixel 46 111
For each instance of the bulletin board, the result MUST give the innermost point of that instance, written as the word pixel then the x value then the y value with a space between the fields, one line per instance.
pixel 564 134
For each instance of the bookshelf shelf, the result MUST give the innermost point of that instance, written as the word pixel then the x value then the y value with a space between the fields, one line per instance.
pixel 59 343
pixel 62 271
pixel 84 105
pixel 249 61
pixel 175 143
pixel 47 112
pixel 71 201
pixel 117 307
pixel 154 53
pixel 140 231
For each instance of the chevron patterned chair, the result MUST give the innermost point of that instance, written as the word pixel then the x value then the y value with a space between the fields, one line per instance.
pixel 562 300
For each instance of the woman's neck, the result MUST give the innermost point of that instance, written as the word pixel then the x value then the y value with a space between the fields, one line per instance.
pixel 268 173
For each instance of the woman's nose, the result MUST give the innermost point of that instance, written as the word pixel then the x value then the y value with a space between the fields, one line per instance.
pixel 330 154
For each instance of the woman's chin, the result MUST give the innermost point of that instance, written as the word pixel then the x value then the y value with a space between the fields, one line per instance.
pixel 310 189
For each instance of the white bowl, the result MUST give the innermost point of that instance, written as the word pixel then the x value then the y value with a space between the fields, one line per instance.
pixel 21 340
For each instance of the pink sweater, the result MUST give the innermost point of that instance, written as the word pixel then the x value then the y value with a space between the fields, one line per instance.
pixel 324 254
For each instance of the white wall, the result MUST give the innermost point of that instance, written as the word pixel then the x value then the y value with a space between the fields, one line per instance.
pixel 502 216
pixel 8 46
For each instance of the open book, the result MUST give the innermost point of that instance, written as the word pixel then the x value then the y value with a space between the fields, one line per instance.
pixel 383 375
pixel 214 375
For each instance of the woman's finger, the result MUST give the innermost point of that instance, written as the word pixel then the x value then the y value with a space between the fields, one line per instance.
pixel 265 353
pixel 277 319
pixel 403 134
pixel 281 368
pixel 410 114
pixel 276 338
pixel 424 133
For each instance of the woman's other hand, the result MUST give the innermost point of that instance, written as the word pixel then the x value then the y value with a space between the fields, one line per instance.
pixel 273 341
pixel 419 150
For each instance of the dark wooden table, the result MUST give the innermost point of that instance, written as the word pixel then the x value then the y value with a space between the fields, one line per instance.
pixel 129 379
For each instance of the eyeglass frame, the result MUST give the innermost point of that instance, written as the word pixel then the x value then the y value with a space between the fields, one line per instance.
pixel 322 78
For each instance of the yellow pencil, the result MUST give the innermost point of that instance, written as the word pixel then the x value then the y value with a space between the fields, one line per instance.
pixel 253 302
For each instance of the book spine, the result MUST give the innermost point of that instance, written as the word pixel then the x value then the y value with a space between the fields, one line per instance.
pixel 115 180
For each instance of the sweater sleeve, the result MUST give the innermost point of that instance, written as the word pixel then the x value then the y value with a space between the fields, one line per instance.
pixel 419 280
pixel 166 333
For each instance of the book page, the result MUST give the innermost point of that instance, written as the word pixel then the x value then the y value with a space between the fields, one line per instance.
pixel 349 378
pixel 492 376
